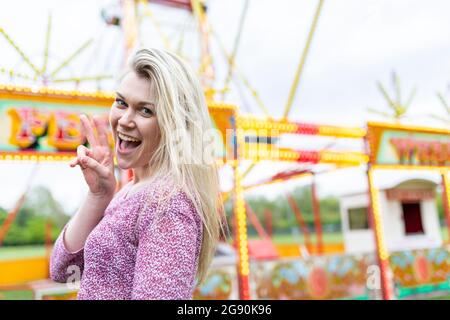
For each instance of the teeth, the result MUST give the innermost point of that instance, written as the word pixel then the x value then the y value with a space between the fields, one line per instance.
pixel 126 138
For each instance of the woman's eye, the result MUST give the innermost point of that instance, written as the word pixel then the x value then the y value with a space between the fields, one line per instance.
pixel 147 111
pixel 120 102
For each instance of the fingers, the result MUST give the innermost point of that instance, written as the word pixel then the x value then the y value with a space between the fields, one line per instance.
pixel 88 130
pixel 90 163
pixel 85 160
pixel 102 131
pixel 82 152
pixel 74 162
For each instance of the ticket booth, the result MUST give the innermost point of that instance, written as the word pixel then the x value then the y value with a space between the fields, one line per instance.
pixel 409 214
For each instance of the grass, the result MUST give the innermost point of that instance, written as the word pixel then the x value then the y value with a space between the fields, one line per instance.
pixel 16 295
pixel 447 297
pixel 335 237
pixel 21 252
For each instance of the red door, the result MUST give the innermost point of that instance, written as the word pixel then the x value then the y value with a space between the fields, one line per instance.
pixel 412 218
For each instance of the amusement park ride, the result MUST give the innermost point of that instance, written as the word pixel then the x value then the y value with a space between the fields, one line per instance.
pixel 42 124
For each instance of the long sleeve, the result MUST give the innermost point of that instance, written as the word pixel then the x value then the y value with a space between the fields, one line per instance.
pixel 65 266
pixel 167 253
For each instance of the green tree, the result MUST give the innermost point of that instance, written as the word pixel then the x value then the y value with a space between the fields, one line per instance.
pixel 29 226
pixel 40 202
pixel 283 217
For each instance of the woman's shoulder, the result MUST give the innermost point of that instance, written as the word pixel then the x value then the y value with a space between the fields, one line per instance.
pixel 181 201
pixel 132 190
pixel 163 193
pixel 173 195
pixel 167 200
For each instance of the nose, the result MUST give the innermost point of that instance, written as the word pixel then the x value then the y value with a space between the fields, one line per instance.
pixel 127 119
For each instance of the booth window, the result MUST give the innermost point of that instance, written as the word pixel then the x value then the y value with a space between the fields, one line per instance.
pixel 412 218
pixel 357 219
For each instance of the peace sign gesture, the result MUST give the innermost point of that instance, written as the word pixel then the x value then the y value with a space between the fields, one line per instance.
pixel 96 163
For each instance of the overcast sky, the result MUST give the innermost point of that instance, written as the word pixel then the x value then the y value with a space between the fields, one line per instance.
pixel 356 44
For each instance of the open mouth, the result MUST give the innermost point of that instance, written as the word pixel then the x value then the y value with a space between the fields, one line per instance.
pixel 127 144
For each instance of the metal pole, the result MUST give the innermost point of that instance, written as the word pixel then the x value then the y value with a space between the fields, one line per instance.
pixel 130 28
pixel 268 218
pixel 301 222
pixel 377 226
pixel 446 200
pixel 317 221
pixel 206 63
pixel 235 47
pixel 256 223
pixel 301 64
pixel 243 268
pixel 15 211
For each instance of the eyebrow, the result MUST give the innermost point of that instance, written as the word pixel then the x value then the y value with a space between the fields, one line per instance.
pixel 140 103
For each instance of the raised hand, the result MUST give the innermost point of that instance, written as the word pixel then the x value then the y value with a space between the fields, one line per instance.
pixel 96 163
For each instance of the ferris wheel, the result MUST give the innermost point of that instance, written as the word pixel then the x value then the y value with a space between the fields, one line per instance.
pixel 126 25
pixel 181 26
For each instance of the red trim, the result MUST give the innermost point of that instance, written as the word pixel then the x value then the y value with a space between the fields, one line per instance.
pixel 244 287
pixel 308 156
pixel 317 220
pixel 307 128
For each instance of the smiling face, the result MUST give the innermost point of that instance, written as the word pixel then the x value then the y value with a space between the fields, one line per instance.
pixel 133 121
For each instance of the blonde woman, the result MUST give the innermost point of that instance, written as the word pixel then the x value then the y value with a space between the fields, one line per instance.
pixel 155 238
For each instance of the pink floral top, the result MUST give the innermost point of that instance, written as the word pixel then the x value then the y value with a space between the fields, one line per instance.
pixel 146 246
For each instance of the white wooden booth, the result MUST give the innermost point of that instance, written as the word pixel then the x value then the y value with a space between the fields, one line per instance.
pixel 409 218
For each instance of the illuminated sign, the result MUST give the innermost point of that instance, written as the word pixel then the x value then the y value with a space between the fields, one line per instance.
pixel 45 123
pixel 408 146
pixel 43 127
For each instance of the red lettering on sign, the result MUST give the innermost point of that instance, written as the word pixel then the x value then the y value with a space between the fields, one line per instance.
pixel 432 153
pixel 28 124
pixel 64 131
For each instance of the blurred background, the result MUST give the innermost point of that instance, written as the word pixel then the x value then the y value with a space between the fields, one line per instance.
pixel 326 68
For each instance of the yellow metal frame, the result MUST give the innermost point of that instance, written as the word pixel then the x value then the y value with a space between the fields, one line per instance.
pixel 283 126
pixel 44 94
pixel 241 219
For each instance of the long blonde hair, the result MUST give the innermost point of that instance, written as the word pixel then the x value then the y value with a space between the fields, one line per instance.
pixel 183 117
